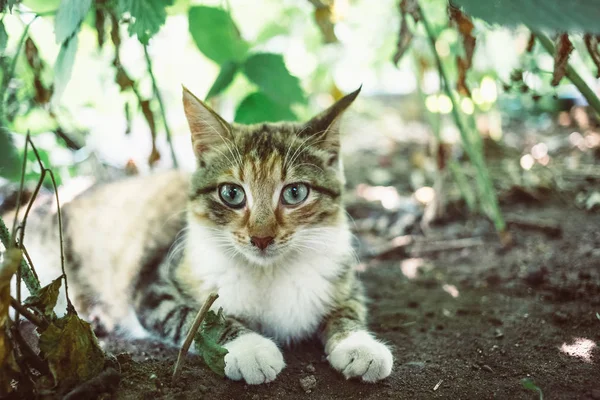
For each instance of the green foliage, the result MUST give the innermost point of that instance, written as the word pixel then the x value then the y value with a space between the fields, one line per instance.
pixel 206 341
pixel 7 3
pixel 228 71
pixel 269 72
pixel 64 66
pixel 3 37
pixel 69 16
pixel 9 158
pixel 45 299
pixel 557 15
pixel 216 35
pixel 530 385
pixel 258 107
pixel 71 350
pixel 147 16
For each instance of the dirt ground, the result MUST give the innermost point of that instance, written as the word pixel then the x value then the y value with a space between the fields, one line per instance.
pixel 471 324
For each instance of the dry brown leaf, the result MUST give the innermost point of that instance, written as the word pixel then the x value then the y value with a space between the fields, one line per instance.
pixel 45 299
pixel 405 36
pixel 42 94
pixel 591 42
pixel 8 366
pixel 564 47
pixel 465 27
pixel 71 350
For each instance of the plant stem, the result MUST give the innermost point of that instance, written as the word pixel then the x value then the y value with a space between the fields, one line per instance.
pixel 475 156
pixel 582 86
pixel 192 332
pixel 162 106
pixel 28 314
pixel 31 281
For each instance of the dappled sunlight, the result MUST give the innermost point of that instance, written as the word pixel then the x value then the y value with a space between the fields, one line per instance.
pixel 387 195
pixel 451 290
pixel 410 267
pixel 580 348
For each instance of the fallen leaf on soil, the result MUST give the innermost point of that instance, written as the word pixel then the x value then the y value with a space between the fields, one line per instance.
pixel 564 47
pixel 45 299
pixel 71 350
pixel 8 366
pixel 206 342
pixel 405 36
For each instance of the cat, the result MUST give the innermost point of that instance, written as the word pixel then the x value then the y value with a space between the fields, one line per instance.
pixel 260 222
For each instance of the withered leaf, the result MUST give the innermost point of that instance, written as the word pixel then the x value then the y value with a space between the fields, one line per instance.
pixel 42 94
pixel 206 341
pixel 564 47
pixel 8 366
pixel 465 27
pixel 405 35
pixel 45 299
pixel 71 350
pixel 591 42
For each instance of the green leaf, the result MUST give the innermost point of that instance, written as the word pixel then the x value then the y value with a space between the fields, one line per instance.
pixel 64 66
pixel 3 37
pixel 530 385
pixel 258 107
pixel 206 341
pixel 216 35
pixel 224 79
pixel 9 158
pixel 558 15
pixel 68 18
pixel 72 351
pixel 7 3
pixel 147 16
pixel 45 299
pixel 269 72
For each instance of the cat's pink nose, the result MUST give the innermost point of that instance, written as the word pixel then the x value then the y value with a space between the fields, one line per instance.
pixel 261 242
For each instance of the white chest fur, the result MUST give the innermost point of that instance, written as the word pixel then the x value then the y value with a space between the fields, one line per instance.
pixel 285 301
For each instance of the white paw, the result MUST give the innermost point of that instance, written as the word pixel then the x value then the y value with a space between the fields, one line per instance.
pixel 360 355
pixel 253 358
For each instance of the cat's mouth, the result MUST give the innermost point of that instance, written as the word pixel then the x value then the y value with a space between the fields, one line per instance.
pixel 264 257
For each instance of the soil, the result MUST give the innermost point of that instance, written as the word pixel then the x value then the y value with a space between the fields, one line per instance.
pixel 471 325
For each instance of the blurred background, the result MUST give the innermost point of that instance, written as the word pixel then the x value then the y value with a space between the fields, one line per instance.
pixel 98 86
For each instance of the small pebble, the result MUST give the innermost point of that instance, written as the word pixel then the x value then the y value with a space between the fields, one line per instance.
pixel 308 383
pixel 498 334
pixel 203 388
pixel 487 368
pixel 310 368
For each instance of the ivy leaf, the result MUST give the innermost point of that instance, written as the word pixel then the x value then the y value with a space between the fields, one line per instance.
pixel 206 343
pixel 45 299
pixel 228 71
pixel 269 72
pixel 3 37
pixel 258 107
pixel 68 18
pixel 216 35
pixel 9 158
pixel 64 66
pixel 71 350
pixel 147 16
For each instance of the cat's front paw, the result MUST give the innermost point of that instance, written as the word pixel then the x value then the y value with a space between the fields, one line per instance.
pixel 361 355
pixel 253 358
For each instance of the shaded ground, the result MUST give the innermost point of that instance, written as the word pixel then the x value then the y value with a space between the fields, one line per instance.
pixel 512 313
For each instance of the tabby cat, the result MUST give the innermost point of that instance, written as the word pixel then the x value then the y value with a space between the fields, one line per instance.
pixel 261 222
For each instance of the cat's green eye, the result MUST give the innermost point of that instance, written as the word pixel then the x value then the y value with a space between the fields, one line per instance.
pixel 232 195
pixel 294 194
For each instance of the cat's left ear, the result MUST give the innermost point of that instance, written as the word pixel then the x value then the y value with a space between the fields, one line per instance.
pixel 325 127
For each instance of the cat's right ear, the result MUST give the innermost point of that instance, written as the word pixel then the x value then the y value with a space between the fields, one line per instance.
pixel 207 127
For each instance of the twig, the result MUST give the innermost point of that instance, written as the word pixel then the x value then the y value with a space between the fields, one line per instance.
pixel 29 275
pixel 455 244
pixel 105 382
pixel 551 229
pixel 162 106
pixel 437 386
pixel 70 307
pixel 31 317
pixel 586 91
pixel 475 156
pixel 192 332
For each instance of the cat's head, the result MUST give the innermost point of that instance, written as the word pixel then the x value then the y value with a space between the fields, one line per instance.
pixel 267 190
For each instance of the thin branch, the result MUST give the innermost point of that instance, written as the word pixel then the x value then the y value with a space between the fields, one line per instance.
pixel 192 332
pixel 70 307
pixel 31 317
pixel 162 106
